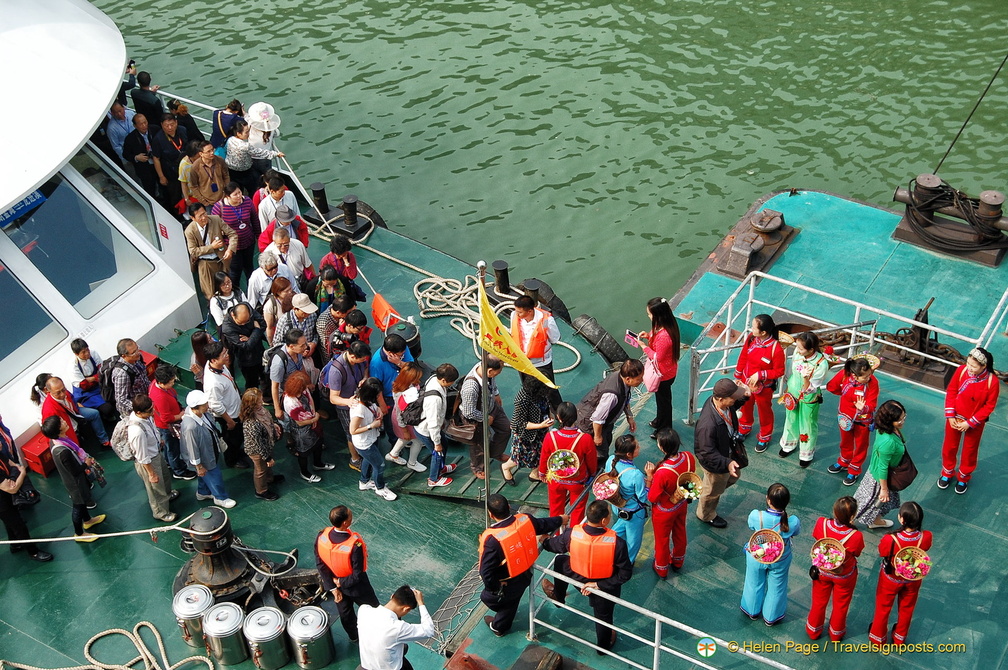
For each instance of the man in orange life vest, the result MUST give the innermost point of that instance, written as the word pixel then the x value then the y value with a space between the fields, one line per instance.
pixel 535 331
pixel 341 559
pixel 593 554
pixel 508 549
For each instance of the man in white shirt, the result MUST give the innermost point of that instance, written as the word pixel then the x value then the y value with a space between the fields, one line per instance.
pixel 291 253
pixel 383 634
pixel 262 279
pixel 225 402
pixel 277 195
pixel 535 331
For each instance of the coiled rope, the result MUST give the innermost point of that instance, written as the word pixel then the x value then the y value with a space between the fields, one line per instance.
pixel 144 653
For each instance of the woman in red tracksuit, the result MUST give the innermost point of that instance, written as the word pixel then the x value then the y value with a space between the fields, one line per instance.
pixel 668 509
pixel 890 587
pixel 969 400
pixel 760 365
pixel 837 584
pixel 564 492
pixel 858 390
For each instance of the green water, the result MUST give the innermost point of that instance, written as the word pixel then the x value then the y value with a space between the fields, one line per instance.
pixel 603 147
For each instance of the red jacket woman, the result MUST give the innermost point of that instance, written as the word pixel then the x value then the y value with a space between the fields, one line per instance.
pixel 760 365
pixel 837 584
pixel 858 390
pixel 969 400
pixel 668 510
pixel 891 588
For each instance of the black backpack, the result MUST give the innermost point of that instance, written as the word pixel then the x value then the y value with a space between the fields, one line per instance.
pixel 105 376
pixel 412 414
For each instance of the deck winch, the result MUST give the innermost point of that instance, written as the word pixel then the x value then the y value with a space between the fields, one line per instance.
pixel 236 573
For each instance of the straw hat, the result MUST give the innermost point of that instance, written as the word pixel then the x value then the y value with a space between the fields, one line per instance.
pixel 262 117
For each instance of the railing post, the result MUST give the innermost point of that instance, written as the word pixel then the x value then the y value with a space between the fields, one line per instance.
pixel 752 296
pixel 531 632
pixel 657 645
pixel 694 384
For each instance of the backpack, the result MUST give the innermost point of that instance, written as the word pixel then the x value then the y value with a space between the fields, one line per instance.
pixel 324 375
pixel 269 354
pixel 412 414
pixel 105 376
pixel 120 440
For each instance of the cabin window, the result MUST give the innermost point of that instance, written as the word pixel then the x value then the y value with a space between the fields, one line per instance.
pixel 75 247
pixel 29 330
pixel 121 193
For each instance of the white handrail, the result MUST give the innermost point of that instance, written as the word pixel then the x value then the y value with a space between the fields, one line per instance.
pixel 659 619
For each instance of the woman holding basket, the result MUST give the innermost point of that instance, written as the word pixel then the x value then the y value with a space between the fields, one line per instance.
pixel 893 587
pixel 669 501
pixel 633 488
pixel 834 582
pixel 766 580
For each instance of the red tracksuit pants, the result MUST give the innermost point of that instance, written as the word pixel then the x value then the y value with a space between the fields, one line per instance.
pixel 891 590
pixel 853 448
pixel 561 495
pixel 841 589
pixel 764 407
pixel 970 447
pixel 669 528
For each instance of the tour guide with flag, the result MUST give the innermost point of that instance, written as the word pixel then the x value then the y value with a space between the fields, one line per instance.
pixel 477 388
pixel 508 550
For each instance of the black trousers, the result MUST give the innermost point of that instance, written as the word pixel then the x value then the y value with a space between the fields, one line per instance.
pixel 15 525
pixel 500 436
pixel 663 404
pixel 242 261
pixel 601 608
pixel 347 613
pixel 505 603
pixel 235 439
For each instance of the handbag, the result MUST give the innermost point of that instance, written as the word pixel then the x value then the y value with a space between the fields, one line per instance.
pixel 903 475
pixel 789 402
pixel 846 423
pixel 460 429
pixel 738 452
pixel 652 377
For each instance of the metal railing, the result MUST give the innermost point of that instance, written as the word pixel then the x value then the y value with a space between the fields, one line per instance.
pixel 860 314
pixel 663 625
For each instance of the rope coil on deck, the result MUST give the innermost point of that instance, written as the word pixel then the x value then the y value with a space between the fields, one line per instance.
pixel 144 653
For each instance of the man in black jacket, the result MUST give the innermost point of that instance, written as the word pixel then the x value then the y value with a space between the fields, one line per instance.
pixel 138 152
pixel 603 563
pixel 601 407
pixel 243 331
pixel 506 569
pixel 715 434
pixel 341 559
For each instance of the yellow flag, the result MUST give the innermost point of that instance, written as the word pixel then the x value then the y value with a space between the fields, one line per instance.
pixel 495 338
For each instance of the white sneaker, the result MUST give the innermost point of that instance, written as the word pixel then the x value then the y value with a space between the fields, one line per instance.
pixel 311 479
pixel 204 497
pixel 227 503
pixel 366 486
pixel 392 458
pixel 385 493
pixel 444 481
pixel 416 467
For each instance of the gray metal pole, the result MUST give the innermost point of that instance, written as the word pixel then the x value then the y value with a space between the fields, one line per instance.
pixel 484 394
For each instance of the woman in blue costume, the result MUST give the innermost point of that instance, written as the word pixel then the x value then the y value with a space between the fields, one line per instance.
pixel 634 486
pixel 766 584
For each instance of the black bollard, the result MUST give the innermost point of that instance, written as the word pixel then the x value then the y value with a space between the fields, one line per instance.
pixel 319 197
pixel 501 280
pixel 349 208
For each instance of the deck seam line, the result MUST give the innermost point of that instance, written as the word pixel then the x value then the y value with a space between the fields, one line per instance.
pixel 31 637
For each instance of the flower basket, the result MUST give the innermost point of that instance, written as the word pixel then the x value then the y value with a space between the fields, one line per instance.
pixel 766 546
pixel 912 564
pixel 606 487
pixel 688 486
pixel 562 464
pixel 828 554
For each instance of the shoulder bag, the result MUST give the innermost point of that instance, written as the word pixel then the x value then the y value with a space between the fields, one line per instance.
pixel 903 475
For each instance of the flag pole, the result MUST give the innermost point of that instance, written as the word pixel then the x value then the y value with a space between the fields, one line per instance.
pixel 484 395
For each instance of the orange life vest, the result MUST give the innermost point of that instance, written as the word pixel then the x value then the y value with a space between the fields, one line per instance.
pixel 592 556
pixel 337 556
pixel 518 541
pixel 536 345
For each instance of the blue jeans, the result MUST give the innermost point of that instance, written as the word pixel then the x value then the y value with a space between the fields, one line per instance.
pixel 373 466
pixel 93 417
pixel 212 483
pixel 437 461
pixel 173 451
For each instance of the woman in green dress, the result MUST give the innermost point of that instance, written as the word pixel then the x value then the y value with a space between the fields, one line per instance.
pixel 803 398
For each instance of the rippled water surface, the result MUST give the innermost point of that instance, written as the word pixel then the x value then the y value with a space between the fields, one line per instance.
pixel 603 147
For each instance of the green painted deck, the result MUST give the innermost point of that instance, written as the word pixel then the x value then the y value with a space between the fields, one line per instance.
pixel 52 609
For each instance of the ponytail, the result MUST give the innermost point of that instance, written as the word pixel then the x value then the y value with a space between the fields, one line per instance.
pixel 778 496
